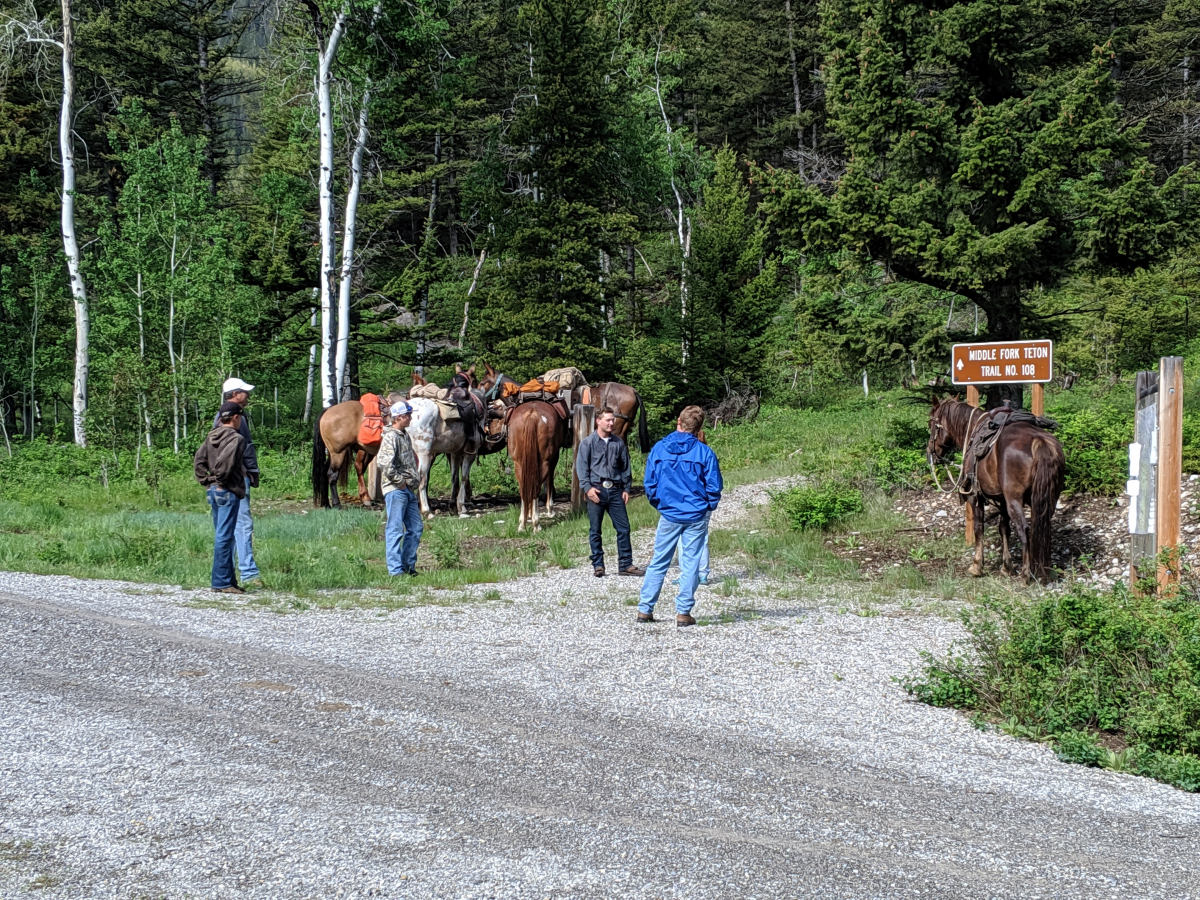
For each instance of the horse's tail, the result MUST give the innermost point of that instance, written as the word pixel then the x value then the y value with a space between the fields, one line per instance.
pixel 1048 482
pixel 525 448
pixel 320 466
pixel 643 430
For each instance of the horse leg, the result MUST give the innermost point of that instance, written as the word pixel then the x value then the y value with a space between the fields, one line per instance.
pixel 1016 511
pixel 336 462
pixel 424 464
pixel 1006 538
pixel 977 506
pixel 360 467
pixel 464 493
pixel 524 512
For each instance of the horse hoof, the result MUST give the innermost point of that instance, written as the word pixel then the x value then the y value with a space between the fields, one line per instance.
pixel 975 571
pixel 463 515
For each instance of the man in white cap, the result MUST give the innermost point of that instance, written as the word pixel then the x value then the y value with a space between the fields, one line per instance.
pixel 237 391
pixel 397 467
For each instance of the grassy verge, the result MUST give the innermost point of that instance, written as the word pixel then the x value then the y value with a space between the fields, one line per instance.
pixel 1109 679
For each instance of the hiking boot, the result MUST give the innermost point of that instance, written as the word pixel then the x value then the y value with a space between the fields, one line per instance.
pixel 683 621
pixel 645 617
pixel 256 583
pixel 598 571
pixel 632 571
pixel 232 589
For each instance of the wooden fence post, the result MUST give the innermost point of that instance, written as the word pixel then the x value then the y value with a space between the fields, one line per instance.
pixel 973 400
pixel 1143 467
pixel 583 423
pixel 1170 467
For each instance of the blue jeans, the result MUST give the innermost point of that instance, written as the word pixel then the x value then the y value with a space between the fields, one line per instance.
pixel 244 536
pixel 613 503
pixel 402 535
pixel 703 552
pixel 691 537
pixel 224 515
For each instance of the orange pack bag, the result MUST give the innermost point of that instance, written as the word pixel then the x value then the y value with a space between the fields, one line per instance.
pixel 371 430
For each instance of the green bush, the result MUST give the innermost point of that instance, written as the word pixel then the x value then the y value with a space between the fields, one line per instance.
pixel 1073 666
pixel 818 507
pixel 1095 441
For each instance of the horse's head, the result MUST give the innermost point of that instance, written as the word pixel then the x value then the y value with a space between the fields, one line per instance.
pixel 464 379
pixel 941 440
pixel 417 379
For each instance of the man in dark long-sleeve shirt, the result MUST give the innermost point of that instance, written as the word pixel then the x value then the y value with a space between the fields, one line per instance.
pixel 219 467
pixel 238 391
pixel 605 476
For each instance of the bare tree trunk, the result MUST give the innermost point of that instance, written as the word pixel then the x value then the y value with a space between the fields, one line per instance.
pixel 312 371
pixel 423 313
pixel 682 224
pixel 348 234
pixel 462 335
pixel 66 147
pixel 171 350
pixel 145 409
pixel 787 8
pixel 327 54
pixel 206 117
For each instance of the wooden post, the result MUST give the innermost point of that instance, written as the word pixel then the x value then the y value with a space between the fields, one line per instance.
pixel 1039 399
pixel 583 423
pixel 973 400
pixel 1143 468
pixel 1170 467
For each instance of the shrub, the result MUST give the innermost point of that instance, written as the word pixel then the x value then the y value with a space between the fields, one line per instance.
pixel 1070 667
pixel 1094 442
pixel 818 507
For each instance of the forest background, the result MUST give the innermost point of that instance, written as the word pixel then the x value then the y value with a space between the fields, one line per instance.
pixel 691 196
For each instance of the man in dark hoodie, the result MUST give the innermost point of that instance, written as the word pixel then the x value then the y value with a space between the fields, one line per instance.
pixel 683 482
pixel 220 467
pixel 239 392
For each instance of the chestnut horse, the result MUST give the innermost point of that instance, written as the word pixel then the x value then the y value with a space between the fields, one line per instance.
pixel 625 403
pixel 335 436
pixel 536 435
pixel 1025 467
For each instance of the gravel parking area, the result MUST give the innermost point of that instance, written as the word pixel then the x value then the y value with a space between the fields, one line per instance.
pixel 541 745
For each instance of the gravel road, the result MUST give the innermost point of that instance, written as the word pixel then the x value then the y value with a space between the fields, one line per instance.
pixel 537 746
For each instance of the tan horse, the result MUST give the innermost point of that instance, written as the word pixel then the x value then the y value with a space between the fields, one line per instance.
pixel 335 438
pixel 536 435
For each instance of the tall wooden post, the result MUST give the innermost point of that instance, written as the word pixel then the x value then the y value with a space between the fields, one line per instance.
pixel 1170 467
pixel 973 400
pixel 1143 468
pixel 583 423
pixel 1039 399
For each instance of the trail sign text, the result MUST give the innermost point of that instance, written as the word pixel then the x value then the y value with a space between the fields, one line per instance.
pixel 1007 362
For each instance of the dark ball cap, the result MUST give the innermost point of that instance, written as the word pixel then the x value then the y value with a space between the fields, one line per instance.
pixel 229 409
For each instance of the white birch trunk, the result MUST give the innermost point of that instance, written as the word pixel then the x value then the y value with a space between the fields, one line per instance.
pixel 348 235
pixel 462 335
pixel 141 321
pixel 683 226
pixel 327 225
pixel 312 371
pixel 66 147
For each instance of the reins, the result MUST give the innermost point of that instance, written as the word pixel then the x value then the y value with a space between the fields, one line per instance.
pixel 956 482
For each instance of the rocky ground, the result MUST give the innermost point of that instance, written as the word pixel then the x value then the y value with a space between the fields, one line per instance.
pixel 536 744
pixel 1091 535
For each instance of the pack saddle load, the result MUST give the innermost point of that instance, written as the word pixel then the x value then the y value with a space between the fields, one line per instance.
pixel 439 395
pixel 370 432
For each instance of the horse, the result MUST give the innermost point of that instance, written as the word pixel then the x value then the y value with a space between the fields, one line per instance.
pixel 432 435
pixel 1024 467
pixel 335 434
pixel 625 402
pixel 536 435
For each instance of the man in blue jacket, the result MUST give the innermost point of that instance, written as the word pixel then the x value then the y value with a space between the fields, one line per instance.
pixel 683 482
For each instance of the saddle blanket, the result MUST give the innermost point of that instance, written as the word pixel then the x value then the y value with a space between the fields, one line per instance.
pixel 370 432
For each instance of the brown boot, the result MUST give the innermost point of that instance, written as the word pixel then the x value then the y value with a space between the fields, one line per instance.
pixel 598 571
pixel 683 621
pixel 645 617
pixel 633 571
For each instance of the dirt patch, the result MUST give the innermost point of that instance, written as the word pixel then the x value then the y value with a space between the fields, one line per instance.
pixel 1091 536
pixel 332 706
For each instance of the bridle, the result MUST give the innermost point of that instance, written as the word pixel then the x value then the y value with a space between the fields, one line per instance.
pixel 956 482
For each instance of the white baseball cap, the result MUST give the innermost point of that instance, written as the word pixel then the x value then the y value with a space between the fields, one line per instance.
pixel 236 384
pixel 400 408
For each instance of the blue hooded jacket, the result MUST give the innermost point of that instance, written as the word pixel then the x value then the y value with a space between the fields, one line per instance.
pixel 683 478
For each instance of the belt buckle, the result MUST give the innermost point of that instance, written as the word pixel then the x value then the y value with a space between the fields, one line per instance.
pixel 607 484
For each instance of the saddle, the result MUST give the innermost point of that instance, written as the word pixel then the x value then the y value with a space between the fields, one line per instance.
pixel 986 435
pixel 470 408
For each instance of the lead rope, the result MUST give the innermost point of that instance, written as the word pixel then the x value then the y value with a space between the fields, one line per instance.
pixel 956 482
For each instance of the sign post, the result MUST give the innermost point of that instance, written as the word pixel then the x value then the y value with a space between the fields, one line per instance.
pixel 1143 485
pixel 1170 469
pixel 1003 362
pixel 583 423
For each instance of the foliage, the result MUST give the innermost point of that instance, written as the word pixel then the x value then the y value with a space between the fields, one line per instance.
pixel 1074 667
pixel 820 507
pixel 1095 441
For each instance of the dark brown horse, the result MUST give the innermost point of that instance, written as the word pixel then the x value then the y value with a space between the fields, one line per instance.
pixel 1025 467
pixel 624 401
pixel 536 435
pixel 335 438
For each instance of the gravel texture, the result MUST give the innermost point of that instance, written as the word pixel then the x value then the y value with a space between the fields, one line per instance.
pixel 542 745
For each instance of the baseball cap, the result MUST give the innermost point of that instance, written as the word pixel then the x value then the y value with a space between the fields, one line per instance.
pixel 229 409
pixel 235 384
pixel 401 408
